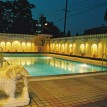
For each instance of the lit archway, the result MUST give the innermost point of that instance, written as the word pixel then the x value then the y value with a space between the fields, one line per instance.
pixel 82 49
pixel 2 45
pixel 23 47
pixel 29 48
pixel 94 50
pixel 16 46
pixel 8 47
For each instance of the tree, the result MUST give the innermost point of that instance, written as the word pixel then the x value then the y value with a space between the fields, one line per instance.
pixel 16 17
pixel 23 21
pixel 5 16
pixel 1 15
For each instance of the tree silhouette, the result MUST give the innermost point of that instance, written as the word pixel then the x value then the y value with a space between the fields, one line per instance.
pixel 1 15
pixel 16 17
pixel 5 16
pixel 23 21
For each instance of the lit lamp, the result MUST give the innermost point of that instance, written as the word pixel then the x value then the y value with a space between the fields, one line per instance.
pixel 46 24
pixel 41 26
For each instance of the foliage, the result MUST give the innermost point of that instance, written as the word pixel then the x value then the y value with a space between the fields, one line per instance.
pixel 16 16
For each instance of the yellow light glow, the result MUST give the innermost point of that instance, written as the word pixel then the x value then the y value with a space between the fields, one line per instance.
pixel 29 44
pixel 94 45
pixel 94 50
pixel 23 43
pixel 70 45
pixel 82 47
pixel 2 43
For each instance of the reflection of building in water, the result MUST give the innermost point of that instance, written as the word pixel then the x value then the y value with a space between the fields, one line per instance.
pixel 62 64
pixel 21 60
pixel 71 67
pixel 85 68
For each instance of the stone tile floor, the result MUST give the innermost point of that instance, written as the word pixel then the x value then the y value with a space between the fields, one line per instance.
pixel 88 91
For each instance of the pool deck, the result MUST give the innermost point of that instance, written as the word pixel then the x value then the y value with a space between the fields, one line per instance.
pixel 83 91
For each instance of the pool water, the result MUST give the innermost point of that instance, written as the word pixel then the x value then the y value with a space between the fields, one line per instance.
pixel 44 66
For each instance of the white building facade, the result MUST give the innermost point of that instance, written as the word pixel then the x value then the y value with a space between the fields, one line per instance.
pixel 84 46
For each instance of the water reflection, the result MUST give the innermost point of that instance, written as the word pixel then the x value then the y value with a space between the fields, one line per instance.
pixel 50 66
pixel 20 60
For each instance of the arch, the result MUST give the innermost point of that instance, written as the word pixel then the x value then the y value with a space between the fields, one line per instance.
pixel 2 44
pixel 23 47
pixel 8 47
pixel 29 47
pixel 82 49
pixel 94 50
pixel 16 46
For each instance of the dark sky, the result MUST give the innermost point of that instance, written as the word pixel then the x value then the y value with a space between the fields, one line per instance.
pixel 82 15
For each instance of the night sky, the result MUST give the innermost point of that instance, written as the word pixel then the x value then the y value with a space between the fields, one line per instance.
pixel 82 15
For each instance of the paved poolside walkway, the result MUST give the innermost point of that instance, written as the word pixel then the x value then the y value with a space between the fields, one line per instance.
pixel 90 91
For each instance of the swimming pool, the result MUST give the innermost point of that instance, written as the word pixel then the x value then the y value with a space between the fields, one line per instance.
pixel 44 66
